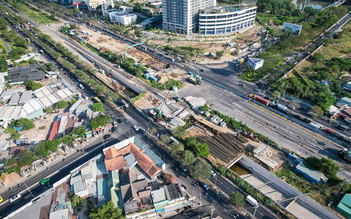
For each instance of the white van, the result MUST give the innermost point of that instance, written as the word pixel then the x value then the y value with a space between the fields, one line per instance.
pixel 252 201
pixel 81 86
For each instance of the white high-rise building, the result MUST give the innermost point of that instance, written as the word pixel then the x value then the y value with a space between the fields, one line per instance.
pixel 182 16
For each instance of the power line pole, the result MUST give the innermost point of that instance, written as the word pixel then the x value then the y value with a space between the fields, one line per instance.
pixel 340 187
pixel 255 211
pixel 212 210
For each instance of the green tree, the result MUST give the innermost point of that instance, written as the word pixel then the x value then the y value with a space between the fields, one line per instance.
pixel 153 131
pixel 73 100
pixel 112 97
pixel 99 121
pixel 219 54
pixel 11 131
pixel 179 132
pixel 187 57
pixel 190 142
pixel 98 107
pixel 165 139
pixel 108 210
pixel 237 199
pixel 76 201
pixel 202 150
pixel 318 57
pixel 176 149
pixel 187 158
pixel 317 110
pixel 80 131
pixel 48 110
pixel 26 123
pixel 32 85
pixel 201 171
pixel 61 104
pixel 275 95
pixel 49 67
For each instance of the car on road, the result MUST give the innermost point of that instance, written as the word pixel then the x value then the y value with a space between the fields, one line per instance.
pixel 204 186
pixel 213 173
pixel 119 120
pixel 202 70
pixel 329 131
pixel 342 127
pixel 241 84
pixel 127 121
pixel 306 120
pixel 136 128
pixel 257 90
pixel 183 168
pixel 107 136
pixel 45 181
pixel 340 136
pixel 115 124
pixel 81 86
pixel 114 129
pixel 14 198
pixel 1 199
pixel 78 79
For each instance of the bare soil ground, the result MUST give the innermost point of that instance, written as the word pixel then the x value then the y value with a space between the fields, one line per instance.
pixel 243 39
pixel 37 135
pixel 193 131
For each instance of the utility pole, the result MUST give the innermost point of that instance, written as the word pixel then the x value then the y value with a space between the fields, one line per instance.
pixel 212 210
pixel 340 187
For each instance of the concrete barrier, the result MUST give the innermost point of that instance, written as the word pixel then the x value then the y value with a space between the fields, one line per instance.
pixel 64 179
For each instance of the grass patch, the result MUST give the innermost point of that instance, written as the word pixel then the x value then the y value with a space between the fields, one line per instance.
pixel 36 15
pixel 3 48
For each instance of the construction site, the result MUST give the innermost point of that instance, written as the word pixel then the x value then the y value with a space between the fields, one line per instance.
pixel 161 69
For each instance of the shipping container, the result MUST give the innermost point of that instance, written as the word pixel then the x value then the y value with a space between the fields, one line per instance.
pixel 261 100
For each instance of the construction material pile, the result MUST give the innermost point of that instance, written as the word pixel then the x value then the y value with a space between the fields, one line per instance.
pixel 223 146
pixel 195 102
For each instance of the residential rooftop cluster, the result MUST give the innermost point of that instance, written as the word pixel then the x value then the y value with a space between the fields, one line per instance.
pixel 125 174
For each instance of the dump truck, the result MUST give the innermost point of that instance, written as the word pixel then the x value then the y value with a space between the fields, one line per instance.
pixel 345 154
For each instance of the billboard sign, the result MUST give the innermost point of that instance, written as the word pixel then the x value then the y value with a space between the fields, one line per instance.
pixel 255 63
pixel 295 29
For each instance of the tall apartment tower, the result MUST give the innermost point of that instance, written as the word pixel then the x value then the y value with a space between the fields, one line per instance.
pixel 182 16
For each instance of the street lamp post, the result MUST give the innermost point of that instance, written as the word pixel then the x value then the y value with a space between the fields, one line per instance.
pixel 27 188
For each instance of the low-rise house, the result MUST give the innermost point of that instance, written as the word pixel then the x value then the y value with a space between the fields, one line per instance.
pixel 135 192
pixel 343 101
pixel 313 175
pixel 61 204
pixel 131 152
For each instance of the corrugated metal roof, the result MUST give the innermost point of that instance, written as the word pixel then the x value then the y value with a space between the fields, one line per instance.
pixel 36 104
pixel 45 101
pixel 345 205
pixel 36 114
pixel 314 174
pixel 68 92
pixel 14 99
pixel 46 91
pixel 38 93
pixel 52 98
pixel 16 112
pixel 8 112
pixel 26 95
pixel 28 108
pixel 25 72
pixel 54 131
pixel 61 94
pixel 7 94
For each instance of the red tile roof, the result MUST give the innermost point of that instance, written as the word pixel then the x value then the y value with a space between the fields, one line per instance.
pixel 114 159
